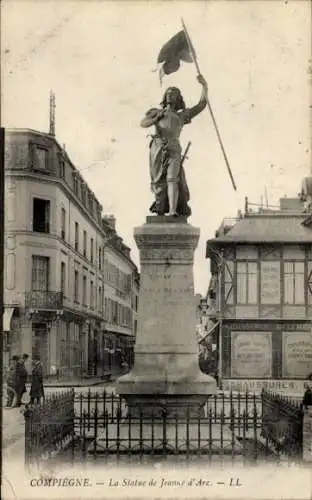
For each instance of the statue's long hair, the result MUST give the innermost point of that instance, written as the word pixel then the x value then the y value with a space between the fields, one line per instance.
pixel 180 104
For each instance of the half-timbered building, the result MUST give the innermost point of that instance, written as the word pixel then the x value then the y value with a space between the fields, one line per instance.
pixel 261 298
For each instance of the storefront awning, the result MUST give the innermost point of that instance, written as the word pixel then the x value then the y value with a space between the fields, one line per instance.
pixel 7 318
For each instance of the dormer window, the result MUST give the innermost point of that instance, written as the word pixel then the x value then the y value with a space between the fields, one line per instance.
pixel 91 202
pixel 83 193
pixel 75 183
pixel 40 158
pixel 61 162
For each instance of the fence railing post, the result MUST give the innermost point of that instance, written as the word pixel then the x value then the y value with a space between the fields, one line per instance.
pixel 28 437
pixel 307 434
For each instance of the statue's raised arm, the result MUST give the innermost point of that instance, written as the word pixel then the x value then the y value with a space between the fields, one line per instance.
pixel 168 181
pixel 198 108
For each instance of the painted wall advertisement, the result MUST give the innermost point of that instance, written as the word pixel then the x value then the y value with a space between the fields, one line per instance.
pixel 281 386
pixel 251 354
pixel 270 282
pixel 297 354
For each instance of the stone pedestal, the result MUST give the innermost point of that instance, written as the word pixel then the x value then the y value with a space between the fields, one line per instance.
pixel 166 374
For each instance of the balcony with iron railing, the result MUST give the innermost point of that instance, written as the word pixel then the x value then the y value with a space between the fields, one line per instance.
pixel 44 300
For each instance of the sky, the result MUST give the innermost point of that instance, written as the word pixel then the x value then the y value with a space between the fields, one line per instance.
pixel 99 58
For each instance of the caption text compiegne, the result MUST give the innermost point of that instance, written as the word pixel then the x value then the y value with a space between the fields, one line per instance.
pixel 73 482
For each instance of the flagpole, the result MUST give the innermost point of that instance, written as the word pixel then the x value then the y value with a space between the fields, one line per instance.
pixel 209 105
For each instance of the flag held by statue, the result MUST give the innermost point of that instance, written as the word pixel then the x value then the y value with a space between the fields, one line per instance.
pixel 180 48
pixel 177 49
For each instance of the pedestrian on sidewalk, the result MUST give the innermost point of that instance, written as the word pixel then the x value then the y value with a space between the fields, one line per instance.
pixel 12 382
pixel 307 397
pixel 36 390
pixel 22 375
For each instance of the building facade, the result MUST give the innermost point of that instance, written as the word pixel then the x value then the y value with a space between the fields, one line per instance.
pixel 261 298
pixel 121 281
pixel 56 241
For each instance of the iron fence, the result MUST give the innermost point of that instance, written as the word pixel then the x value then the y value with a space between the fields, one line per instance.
pixel 168 435
pixel 219 403
pixel 282 423
pixel 89 425
pixel 93 424
pixel 49 427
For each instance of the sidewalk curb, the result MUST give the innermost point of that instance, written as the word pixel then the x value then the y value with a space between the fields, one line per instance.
pixel 68 385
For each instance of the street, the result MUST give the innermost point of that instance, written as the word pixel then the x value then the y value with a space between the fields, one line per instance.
pixel 13 419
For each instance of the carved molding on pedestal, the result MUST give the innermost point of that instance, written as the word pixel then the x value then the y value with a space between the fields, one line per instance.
pixel 160 243
pixel 161 240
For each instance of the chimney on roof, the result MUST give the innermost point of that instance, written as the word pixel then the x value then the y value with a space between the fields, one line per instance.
pixel 306 193
pixel 52 113
pixel 292 204
pixel 111 219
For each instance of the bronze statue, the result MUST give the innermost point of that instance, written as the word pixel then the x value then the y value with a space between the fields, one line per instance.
pixel 168 182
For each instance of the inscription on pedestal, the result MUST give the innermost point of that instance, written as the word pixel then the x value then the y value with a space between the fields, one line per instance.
pixel 166 253
pixel 157 283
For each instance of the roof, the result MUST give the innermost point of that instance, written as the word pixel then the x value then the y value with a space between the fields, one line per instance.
pixel 47 136
pixel 277 228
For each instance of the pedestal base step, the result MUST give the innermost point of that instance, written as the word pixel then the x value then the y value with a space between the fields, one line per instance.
pixel 172 438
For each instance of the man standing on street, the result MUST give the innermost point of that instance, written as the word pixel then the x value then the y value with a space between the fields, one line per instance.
pixel 21 378
pixel 36 390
